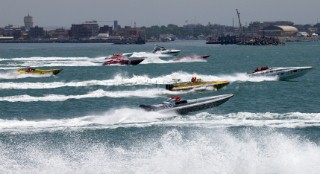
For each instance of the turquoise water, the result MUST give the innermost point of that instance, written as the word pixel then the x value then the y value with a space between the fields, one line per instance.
pixel 86 119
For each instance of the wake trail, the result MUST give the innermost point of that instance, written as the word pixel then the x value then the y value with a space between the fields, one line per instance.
pixel 124 117
pixel 150 58
pixel 134 117
pixel 142 93
pixel 14 63
pixel 123 80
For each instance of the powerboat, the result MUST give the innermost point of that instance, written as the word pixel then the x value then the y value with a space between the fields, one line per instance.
pixel 115 55
pixel 162 50
pixel 196 84
pixel 120 59
pixel 283 73
pixel 30 70
pixel 192 57
pixel 186 106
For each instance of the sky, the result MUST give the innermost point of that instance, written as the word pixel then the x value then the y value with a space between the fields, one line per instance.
pixel 63 13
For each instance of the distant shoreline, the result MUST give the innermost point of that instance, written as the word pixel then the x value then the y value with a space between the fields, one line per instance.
pixel 54 41
pixel 283 39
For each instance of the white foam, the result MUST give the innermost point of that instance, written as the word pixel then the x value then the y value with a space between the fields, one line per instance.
pixel 77 61
pixel 274 120
pixel 143 93
pixel 189 59
pixel 16 75
pixel 155 59
pixel 170 151
pixel 51 61
pixel 124 80
pixel 149 55
pixel 129 117
pixel 237 77
pixel 14 63
pixel 123 117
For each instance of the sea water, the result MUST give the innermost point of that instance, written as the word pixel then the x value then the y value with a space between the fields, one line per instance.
pixel 86 119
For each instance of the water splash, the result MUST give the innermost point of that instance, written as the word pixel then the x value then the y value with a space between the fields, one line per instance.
pixel 215 151
pixel 14 74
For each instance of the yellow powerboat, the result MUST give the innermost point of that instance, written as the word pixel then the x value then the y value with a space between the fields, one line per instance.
pixel 38 71
pixel 196 84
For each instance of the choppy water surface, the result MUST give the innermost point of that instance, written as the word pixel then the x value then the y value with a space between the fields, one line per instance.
pixel 86 119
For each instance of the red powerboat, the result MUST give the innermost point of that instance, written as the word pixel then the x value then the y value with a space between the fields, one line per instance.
pixel 192 57
pixel 122 60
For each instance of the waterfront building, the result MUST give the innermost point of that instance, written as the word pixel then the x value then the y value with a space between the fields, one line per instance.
pixel 85 30
pixel 128 35
pixel 116 26
pixel 255 27
pixel 279 31
pixel 6 38
pixel 36 32
pixel 92 26
pixel 78 31
pixel 317 28
pixel 11 30
pixel 127 31
pixel 59 34
pixel 28 22
pixel 106 29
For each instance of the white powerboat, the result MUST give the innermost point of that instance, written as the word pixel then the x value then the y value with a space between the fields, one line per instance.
pixel 162 50
pixel 283 73
pixel 186 106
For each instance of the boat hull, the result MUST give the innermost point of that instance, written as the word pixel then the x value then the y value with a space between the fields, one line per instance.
pixel 41 72
pixel 123 62
pixel 283 73
pixel 187 106
pixel 196 85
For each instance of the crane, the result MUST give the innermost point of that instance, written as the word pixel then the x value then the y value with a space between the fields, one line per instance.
pixel 240 26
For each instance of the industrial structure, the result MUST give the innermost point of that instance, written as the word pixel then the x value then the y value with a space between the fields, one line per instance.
pixel 279 30
pixel 28 22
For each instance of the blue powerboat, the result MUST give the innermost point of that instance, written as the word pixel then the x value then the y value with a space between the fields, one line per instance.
pixel 186 106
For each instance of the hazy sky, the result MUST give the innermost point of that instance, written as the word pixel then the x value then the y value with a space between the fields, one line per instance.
pixel 157 12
